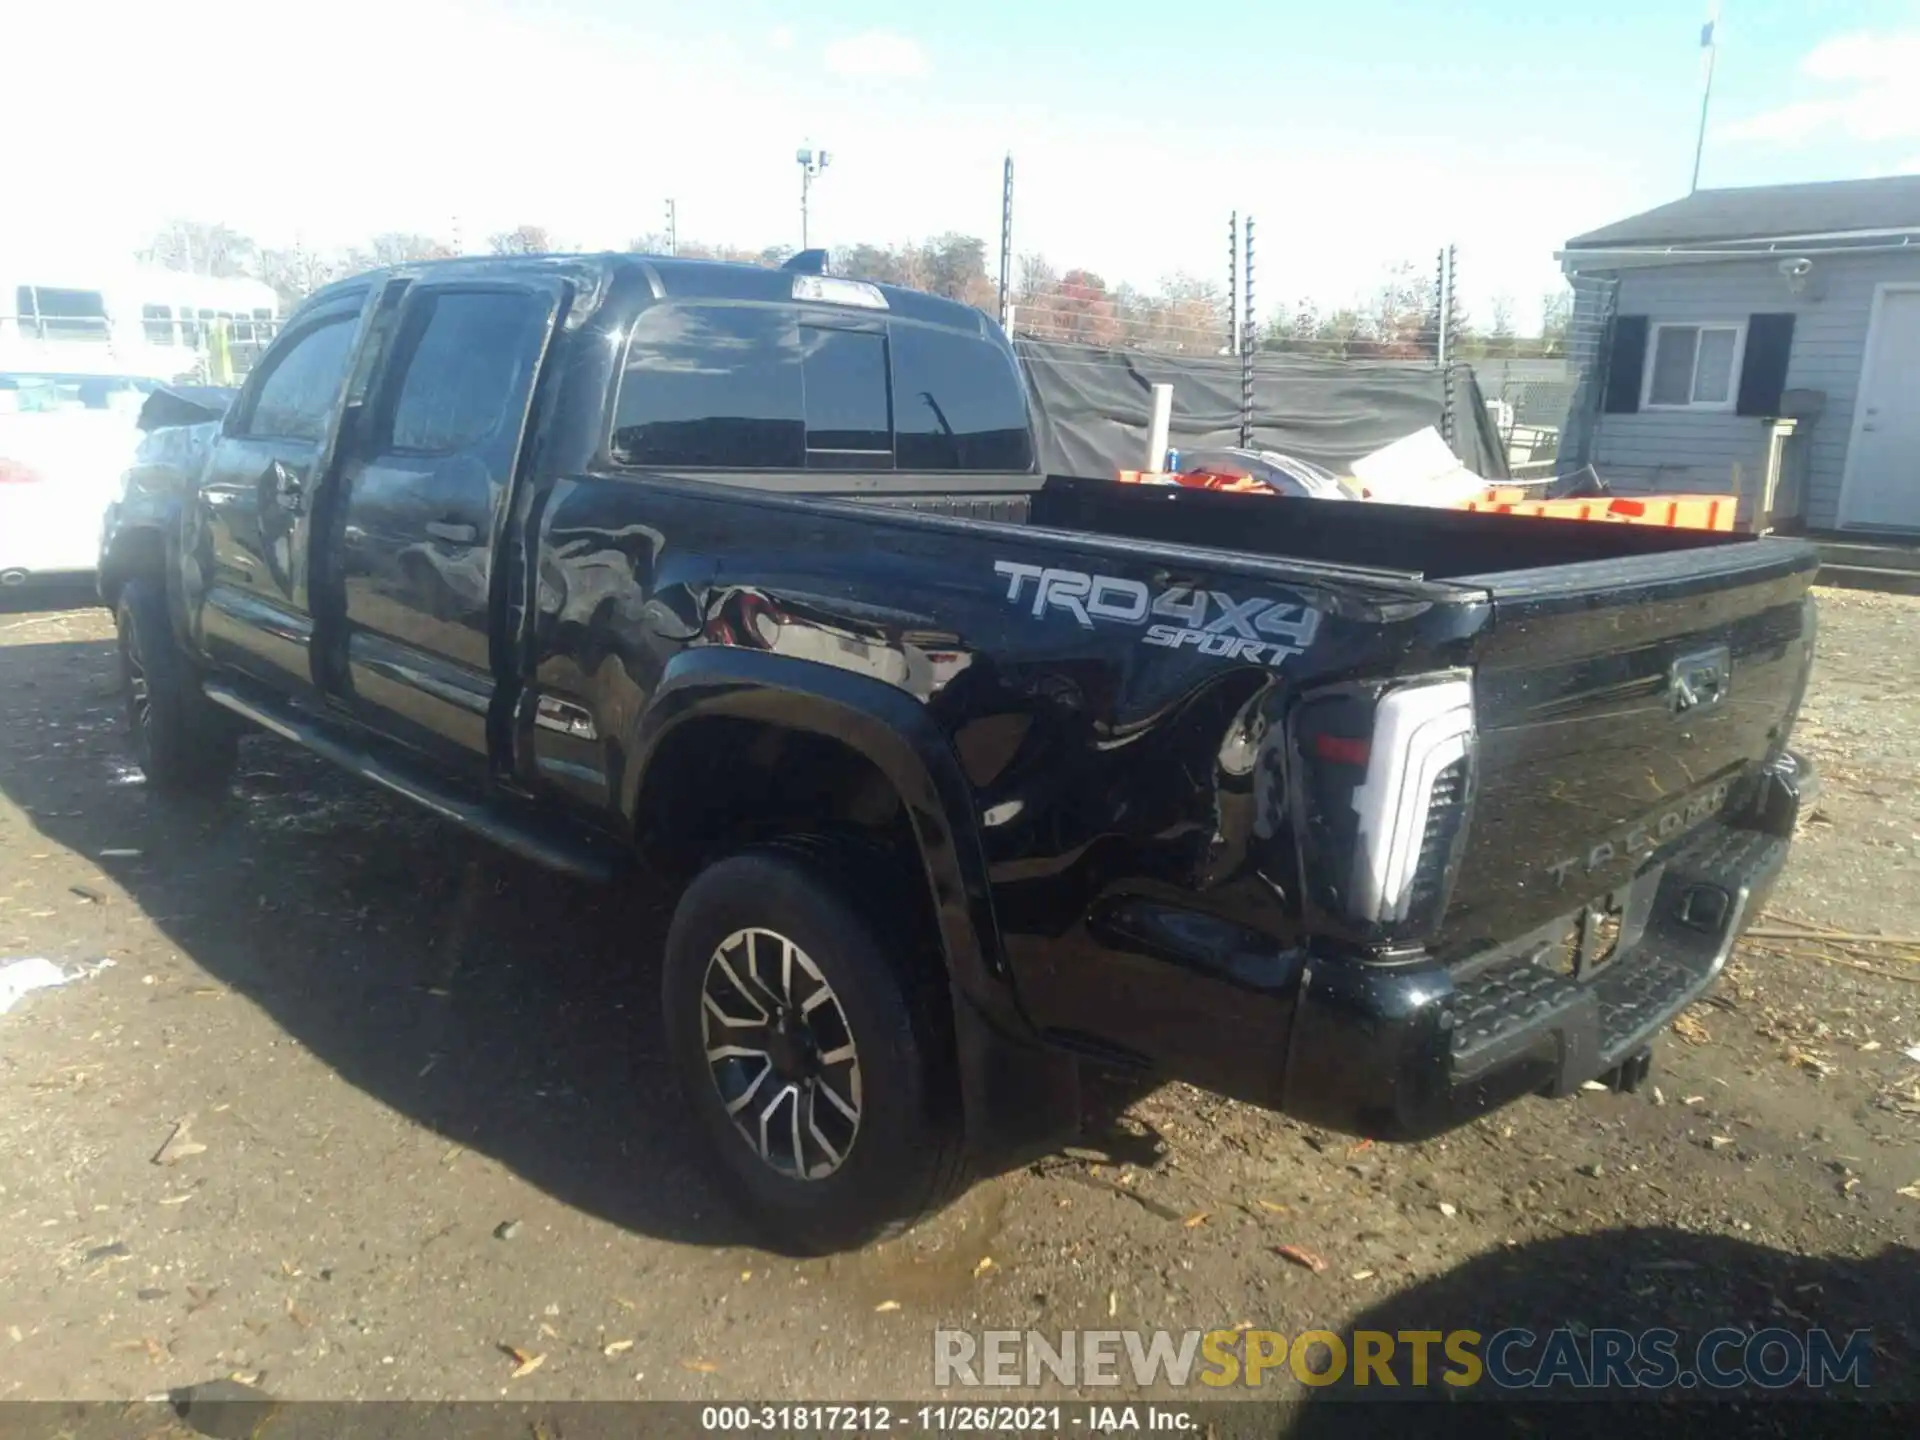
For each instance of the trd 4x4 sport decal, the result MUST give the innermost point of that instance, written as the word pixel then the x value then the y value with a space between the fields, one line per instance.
pixel 1263 631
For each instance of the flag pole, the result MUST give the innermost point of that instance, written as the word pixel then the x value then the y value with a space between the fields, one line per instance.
pixel 1707 44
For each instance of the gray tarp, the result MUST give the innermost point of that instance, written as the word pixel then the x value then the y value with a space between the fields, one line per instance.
pixel 1092 406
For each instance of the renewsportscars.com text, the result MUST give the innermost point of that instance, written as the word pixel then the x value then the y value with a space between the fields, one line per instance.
pixel 1572 1357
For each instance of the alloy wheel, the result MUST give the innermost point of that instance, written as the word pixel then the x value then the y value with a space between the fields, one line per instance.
pixel 781 1053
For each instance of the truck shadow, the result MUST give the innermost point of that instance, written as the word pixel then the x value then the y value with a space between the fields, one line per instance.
pixel 1634 1280
pixel 505 1007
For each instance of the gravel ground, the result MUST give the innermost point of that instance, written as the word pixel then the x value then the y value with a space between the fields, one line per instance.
pixel 362 1106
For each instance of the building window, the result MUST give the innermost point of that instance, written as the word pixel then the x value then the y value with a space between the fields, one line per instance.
pixel 1694 367
pixel 158 323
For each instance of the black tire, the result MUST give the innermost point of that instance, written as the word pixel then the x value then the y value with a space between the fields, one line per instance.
pixel 905 1157
pixel 182 740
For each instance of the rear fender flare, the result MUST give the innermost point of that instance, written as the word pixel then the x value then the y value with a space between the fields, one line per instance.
pixel 891 729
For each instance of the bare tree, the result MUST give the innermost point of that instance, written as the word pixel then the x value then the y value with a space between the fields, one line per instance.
pixel 521 240
pixel 1500 342
pixel 200 247
pixel 1556 322
pixel 297 272
pixel 397 247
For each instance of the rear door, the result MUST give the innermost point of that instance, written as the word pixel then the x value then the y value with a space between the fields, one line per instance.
pixel 248 594
pixel 1619 704
pixel 416 509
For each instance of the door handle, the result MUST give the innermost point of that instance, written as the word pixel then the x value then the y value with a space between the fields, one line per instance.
pixel 287 487
pixel 452 532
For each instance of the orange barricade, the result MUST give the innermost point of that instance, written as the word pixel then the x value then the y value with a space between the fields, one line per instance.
pixel 1679 512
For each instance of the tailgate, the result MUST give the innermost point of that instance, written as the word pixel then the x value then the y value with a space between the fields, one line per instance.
pixel 1619 705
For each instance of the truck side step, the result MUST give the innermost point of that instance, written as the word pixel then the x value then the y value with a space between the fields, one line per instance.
pixel 570 854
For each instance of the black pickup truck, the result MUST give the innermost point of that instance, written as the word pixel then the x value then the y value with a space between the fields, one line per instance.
pixel 972 776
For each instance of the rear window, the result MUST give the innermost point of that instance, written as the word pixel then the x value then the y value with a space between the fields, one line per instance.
pixel 958 404
pixel 712 387
pixel 771 388
pixel 844 380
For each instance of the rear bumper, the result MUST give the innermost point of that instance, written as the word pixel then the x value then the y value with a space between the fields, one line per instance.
pixel 1402 1053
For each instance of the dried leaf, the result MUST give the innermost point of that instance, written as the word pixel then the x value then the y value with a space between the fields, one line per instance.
pixel 1361 1275
pixel 179 1145
pixel 986 1264
pixel 1269 1205
pixel 523 1362
pixel 617 1347
pixel 886 1307
pixel 1197 1219
pixel 245 1377
pixel 703 1367
pixel 1361 1148
pixel 1691 1030
pixel 1912 1192
pixel 1306 1259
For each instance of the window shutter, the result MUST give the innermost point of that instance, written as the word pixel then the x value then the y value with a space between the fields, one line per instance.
pixel 1626 361
pixel 1763 375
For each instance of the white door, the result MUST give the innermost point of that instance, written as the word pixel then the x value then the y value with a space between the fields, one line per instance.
pixel 1883 466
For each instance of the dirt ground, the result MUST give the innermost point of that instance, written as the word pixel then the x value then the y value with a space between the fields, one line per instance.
pixel 359 1105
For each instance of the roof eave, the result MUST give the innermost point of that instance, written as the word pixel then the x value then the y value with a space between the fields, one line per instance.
pixel 1625 254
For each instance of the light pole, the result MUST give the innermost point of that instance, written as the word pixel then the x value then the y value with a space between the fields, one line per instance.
pixel 812 162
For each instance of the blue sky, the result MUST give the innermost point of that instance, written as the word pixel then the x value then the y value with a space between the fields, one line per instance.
pixel 1357 132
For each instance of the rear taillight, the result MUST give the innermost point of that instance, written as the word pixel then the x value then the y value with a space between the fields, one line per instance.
pixel 17 472
pixel 1386 776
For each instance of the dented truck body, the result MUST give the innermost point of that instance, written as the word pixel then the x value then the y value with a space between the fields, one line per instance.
pixel 1380 816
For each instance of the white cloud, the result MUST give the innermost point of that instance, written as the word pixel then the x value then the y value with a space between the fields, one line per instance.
pixel 781 37
pixel 1876 98
pixel 876 54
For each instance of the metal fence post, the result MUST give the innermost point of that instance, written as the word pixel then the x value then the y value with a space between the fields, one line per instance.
pixel 1233 283
pixel 1444 344
pixel 1006 240
pixel 1246 342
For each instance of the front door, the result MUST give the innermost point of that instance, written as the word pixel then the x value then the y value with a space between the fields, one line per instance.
pixel 422 486
pixel 247 588
pixel 1882 490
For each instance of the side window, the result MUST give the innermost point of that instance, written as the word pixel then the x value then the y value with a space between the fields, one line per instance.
pixel 712 386
pixel 62 314
pixel 296 395
pixel 959 403
pixel 473 353
pixel 844 373
pixel 158 322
